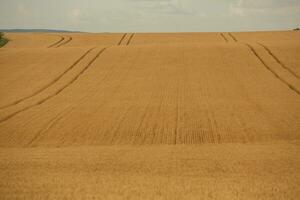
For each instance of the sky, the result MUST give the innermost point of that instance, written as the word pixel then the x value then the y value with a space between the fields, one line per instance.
pixel 151 15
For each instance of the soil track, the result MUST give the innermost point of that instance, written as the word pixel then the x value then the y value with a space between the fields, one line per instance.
pixel 65 42
pixel 278 61
pixel 231 35
pixel 155 116
pixel 272 71
pixel 129 40
pixel 58 42
pixel 123 37
pixel 223 36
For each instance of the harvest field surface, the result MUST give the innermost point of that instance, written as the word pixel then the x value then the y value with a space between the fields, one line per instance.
pixel 150 116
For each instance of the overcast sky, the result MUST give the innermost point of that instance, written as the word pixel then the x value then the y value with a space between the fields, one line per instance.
pixel 151 15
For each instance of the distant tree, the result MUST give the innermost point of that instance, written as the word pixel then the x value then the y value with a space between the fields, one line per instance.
pixel 3 40
pixel 297 29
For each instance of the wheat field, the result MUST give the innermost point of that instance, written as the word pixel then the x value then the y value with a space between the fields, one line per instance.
pixel 150 116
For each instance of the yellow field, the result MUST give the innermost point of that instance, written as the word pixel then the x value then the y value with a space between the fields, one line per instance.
pixel 150 116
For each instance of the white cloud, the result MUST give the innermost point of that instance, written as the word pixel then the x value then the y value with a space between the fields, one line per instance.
pixel 75 13
pixel 203 15
pixel 22 10
pixel 264 7
pixel 236 10
pixel 169 7
pixel 78 16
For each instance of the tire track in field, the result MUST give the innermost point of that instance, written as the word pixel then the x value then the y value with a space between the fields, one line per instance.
pixel 48 127
pixel 130 39
pixel 177 117
pixel 278 61
pixel 50 83
pixel 67 111
pixel 138 130
pixel 223 36
pixel 120 42
pixel 65 42
pixel 154 134
pixel 271 70
pixel 58 42
pixel 177 136
pixel 267 66
pixel 58 91
pixel 231 35
pixel 118 126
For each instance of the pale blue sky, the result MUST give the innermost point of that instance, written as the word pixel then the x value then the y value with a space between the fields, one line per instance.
pixel 151 15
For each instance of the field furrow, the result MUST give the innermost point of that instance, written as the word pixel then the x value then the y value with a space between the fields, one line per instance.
pixel 292 87
pixel 232 37
pixel 130 38
pixel 278 61
pixel 58 42
pixel 65 42
pixel 223 36
pixel 123 37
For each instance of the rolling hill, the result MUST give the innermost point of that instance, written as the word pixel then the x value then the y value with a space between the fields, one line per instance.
pixel 150 115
